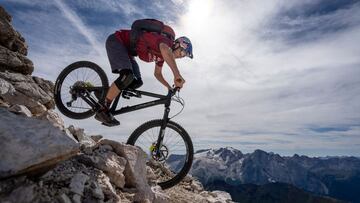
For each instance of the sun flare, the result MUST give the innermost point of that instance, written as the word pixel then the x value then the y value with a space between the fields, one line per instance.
pixel 197 17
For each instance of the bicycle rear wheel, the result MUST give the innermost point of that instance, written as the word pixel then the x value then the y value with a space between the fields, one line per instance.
pixel 176 152
pixel 76 80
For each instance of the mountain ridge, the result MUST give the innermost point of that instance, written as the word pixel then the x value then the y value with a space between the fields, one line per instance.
pixel 332 176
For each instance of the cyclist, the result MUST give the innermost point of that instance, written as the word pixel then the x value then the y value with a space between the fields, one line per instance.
pixel 150 47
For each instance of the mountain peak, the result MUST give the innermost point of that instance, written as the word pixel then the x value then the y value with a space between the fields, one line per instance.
pixel 259 151
pixel 226 150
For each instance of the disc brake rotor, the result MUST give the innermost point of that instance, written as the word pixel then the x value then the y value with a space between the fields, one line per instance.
pixel 164 152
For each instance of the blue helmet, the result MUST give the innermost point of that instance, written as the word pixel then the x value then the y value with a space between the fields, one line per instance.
pixel 185 43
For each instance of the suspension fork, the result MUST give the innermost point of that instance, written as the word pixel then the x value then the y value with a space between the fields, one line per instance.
pixel 165 121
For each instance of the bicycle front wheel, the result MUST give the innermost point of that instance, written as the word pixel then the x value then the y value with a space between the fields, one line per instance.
pixel 176 152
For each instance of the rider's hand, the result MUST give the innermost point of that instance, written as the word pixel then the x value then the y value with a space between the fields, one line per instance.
pixel 179 81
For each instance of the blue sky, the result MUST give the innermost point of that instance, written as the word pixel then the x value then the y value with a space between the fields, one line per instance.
pixel 281 76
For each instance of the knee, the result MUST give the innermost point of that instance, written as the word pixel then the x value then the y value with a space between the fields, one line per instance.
pixel 136 83
pixel 125 79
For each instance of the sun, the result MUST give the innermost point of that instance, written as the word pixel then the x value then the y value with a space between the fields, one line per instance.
pixel 199 12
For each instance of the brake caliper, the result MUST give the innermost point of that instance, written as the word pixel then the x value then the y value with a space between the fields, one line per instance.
pixel 152 147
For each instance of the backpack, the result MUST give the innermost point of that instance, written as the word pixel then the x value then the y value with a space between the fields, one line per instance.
pixel 148 25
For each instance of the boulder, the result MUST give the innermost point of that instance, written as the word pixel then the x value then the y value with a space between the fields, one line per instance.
pixel 24 90
pixel 53 118
pixel 135 169
pixel 77 183
pixel 30 145
pixel 108 162
pixel 79 135
pixel 15 62
pixel 48 87
pixel 6 87
pixel 96 191
pixel 9 37
pixel 108 190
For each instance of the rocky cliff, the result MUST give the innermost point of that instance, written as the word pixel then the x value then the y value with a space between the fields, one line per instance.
pixel 41 160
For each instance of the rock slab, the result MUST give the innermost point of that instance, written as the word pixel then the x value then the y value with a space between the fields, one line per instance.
pixel 29 144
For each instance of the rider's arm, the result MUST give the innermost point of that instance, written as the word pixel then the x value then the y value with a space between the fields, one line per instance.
pixel 159 76
pixel 168 56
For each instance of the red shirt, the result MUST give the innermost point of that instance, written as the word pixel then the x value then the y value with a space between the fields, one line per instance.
pixel 147 46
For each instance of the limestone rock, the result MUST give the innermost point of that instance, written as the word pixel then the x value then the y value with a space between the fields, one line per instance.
pixel 48 87
pixel 20 109
pixel 4 15
pixel 53 118
pixel 4 104
pixel 6 87
pixel 96 138
pixel 110 163
pixel 63 198
pixel 77 183
pixel 97 191
pixel 221 196
pixel 36 97
pixel 107 188
pixel 87 144
pixel 197 186
pixel 28 144
pixel 10 38
pixel 15 62
pixel 135 170
pixel 24 194
pixel 160 196
pixel 150 175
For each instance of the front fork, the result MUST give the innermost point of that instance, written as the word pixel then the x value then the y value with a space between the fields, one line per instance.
pixel 162 130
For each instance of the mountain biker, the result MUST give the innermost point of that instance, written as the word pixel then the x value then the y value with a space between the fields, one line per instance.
pixel 150 46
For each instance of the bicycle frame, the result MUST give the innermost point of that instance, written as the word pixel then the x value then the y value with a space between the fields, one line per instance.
pixel 162 99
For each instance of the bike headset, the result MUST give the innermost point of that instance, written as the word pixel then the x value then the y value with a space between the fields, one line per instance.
pixel 184 43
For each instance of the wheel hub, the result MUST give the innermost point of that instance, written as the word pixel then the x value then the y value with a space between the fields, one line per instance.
pixel 162 155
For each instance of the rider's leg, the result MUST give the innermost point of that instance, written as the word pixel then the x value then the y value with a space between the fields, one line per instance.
pixel 111 94
pixel 137 82
pixel 124 80
pixel 119 60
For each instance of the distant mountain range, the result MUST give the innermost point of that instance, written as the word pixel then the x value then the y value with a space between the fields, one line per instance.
pixel 237 173
pixel 269 193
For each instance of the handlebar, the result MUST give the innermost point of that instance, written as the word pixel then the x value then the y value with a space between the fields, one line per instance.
pixel 173 91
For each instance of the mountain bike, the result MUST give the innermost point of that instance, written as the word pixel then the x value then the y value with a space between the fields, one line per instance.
pixel 79 91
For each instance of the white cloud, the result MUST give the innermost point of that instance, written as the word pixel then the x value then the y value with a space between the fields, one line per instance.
pixel 82 28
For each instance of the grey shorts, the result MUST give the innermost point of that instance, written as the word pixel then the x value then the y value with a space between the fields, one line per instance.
pixel 119 58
